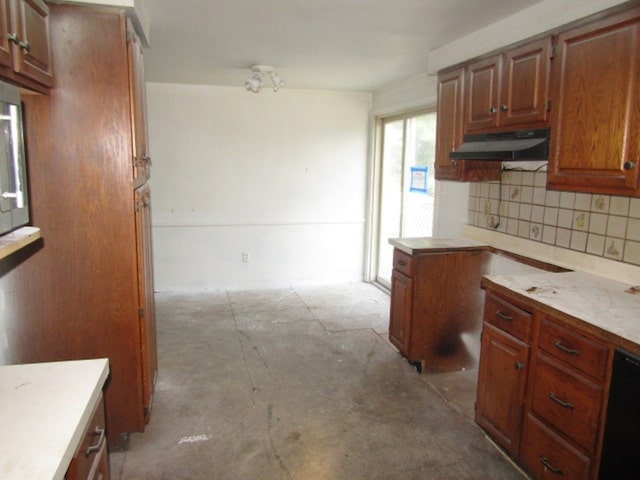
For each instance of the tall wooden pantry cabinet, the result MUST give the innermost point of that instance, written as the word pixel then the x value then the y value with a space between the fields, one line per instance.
pixel 90 284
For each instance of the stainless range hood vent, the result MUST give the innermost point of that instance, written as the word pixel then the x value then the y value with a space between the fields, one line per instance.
pixel 508 146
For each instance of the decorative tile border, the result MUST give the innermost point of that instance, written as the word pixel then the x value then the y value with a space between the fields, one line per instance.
pixel 603 225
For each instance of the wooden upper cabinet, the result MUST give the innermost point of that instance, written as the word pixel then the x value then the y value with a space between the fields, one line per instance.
pixel 6 52
pixel 595 142
pixel 449 124
pixel 449 134
pixel 525 84
pixel 481 99
pixel 25 51
pixel 137 95
pixel 509 89
pixel 32 55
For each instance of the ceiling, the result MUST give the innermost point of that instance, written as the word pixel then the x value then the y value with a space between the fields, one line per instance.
pixel 349 45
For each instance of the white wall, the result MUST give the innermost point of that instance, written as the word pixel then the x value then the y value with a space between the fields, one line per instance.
pixel 280 176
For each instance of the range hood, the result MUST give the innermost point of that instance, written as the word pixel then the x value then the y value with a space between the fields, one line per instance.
pixel 515 145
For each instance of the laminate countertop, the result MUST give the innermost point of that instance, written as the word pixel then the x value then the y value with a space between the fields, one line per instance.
pixel 610 308
pixel 44 409
pixel 417 245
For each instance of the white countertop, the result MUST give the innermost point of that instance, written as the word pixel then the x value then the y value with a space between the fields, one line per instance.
pixel 596 300
pixel 44 408
pixel 411 245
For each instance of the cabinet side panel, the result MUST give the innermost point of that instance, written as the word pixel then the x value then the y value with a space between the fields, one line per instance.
pixel 447 309
pixel 79 291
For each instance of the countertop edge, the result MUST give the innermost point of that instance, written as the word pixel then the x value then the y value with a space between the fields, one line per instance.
pixel 417 245
pixel 618 341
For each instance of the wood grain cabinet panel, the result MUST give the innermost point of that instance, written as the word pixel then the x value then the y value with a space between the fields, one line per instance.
pixel 508 317
pixel 504 361
pixel 566 401
pixel 401 305
pixel 25 49
pixel 93 277
pixel 550 457
pixel 576 350
pixel 146 301
pixel 509 89
pixel 595 143
pixel 436 313
pixel 482 94
pixel 525 85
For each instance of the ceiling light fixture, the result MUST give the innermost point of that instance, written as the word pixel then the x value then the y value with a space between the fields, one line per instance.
pixel 255 83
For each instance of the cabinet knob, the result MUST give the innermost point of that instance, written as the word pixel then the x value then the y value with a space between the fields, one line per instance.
pixel 25 46
pixel 493 110
pixel 13 38
pixel 519 366
pixel 629 165
pixel 504 108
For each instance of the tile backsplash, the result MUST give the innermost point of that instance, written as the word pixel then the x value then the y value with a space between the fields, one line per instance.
pixel 603 225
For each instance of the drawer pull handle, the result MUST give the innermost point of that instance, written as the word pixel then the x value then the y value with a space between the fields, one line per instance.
pixel 570 351
pixel 402 263
pixel 96 448
pixel 546 463
pixel 562 403
pixel 503 316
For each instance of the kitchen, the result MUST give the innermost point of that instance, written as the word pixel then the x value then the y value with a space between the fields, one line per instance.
pixel 261 222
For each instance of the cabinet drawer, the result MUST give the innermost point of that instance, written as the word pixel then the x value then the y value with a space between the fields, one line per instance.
pixel 91 460
pixel 507 317
pixel 403 262
pixel 580 352
pixel 567 401
pixel 547 456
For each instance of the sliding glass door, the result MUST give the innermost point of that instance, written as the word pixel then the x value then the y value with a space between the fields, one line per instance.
pixel 406 186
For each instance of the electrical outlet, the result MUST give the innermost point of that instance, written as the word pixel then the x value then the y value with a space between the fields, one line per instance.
pixel 245 257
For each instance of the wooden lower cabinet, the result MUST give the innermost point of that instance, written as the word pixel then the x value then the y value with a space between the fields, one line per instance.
pixel 501 384
pixel 400 318
pixel 436 300
pixel 568 402
pixel 549 414
pixel 91 460
pixel 546 455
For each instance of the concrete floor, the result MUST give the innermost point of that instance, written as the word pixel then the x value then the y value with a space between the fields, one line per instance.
pixel 300 384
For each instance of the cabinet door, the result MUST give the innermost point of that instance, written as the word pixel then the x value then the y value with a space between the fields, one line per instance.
pixel 525 84
pixel 482 86
pixel 400 317
pixel 141 159
pixel 6 55
pixel 595 143
pixel 449 124
pixel 32 51
pixel 501 384
pixel 149 359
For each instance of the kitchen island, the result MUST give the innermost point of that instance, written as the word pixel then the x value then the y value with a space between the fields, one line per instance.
pixel 436 301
